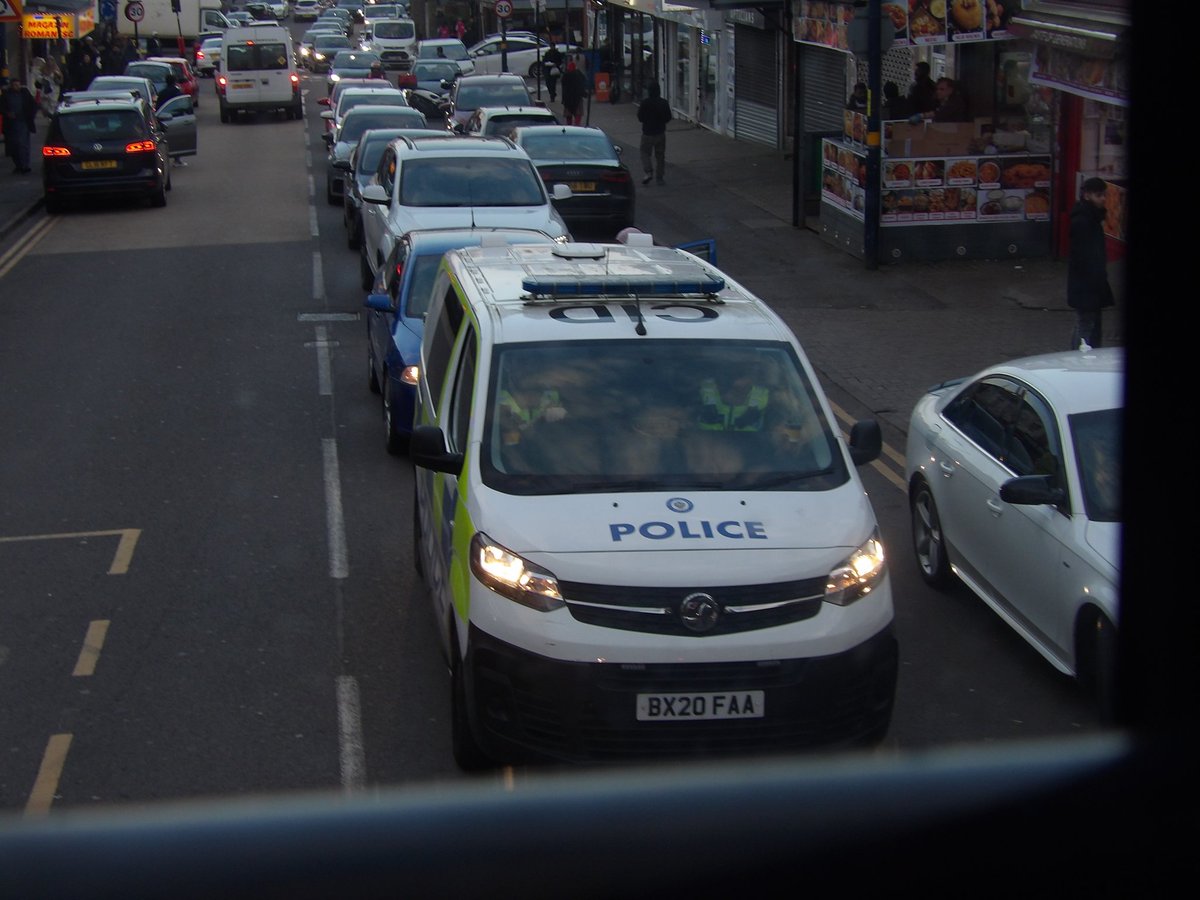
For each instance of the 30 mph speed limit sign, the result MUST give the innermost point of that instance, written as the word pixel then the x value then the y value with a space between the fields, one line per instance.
pixel 504 8
pixel 135 11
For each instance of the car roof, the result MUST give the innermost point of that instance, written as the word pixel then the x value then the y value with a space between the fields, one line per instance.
pixel 496 77
pixel 169 59
pixel 1073 381
pixel 157 63
pixel 492 112
pixel 463 145
pixel 107 100
pixel 563 129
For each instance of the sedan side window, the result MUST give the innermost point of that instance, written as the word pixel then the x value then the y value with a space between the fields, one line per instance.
pixel 387 171
pixel 984 413
pixel 1034 447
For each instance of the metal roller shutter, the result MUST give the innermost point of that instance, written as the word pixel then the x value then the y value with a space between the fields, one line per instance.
pixel 756 85
pixel 824 86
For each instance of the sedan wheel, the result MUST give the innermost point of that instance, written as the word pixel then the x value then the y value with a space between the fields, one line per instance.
pixel 372 378
pixel 929 543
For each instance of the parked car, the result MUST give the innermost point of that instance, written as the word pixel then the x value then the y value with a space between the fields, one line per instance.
pixel 359 96
pixel 185 76
pixel 471 92
pixel 154 72
pixel 398 302
pixel 305 10
pixel 523 54
pixel 352 64
pixel 105 146
pixel 432 75
pixel 453 182
pixel 502 121
pixel 143 86
pixel 447 48
pixel 352 127
pixel 324 48
pixel 589 163
pixel 208 56
pixel 1014 487
pixel 360 168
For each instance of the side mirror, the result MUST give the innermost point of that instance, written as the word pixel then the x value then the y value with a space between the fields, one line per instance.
pixel 343 164
pixel 379 303
pixel 561 192
pixel 428 450
pixel 323 101
pixel 374 193
pixel 326 113
pixel 866 442
pixel 459 128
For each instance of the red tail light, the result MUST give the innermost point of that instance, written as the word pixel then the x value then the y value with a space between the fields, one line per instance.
pixel 616 177
pixel 55 151
pixel 140 147
pixel 295 79
pixel 221 80
pixel 199 55
pixel 409 81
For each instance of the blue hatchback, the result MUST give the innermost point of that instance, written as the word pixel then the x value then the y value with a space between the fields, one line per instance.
pixel 397 305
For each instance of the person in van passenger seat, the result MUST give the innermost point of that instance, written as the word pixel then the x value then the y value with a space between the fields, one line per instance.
pixel 733 403
pixel 525 401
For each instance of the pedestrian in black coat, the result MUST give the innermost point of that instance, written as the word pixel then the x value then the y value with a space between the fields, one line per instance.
pixel 1088 290
pixel 654 113
pixel 574 89
pixel 552 63
pixel 18 111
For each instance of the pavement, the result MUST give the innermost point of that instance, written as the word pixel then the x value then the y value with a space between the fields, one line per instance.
pixel 880 336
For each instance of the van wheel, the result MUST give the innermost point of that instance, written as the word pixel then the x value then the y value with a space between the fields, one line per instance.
pixel 297 111
pixel 929 544
pixel 467 752
pixel 396 441
pixel 365 275
pixel 224 116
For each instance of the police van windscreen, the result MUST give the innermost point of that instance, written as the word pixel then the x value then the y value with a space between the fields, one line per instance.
pixel 395 30
pixel 596 416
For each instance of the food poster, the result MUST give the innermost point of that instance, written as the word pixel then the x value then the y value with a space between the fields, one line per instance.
pixel 915 22
pixel 964 20
pixel 822 23
pixel 854 126
pixel 844 178
pixel 957 189
pixel 1114 210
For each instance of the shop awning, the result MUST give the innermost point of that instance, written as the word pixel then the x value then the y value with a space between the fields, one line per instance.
pixel 1098 38
pixel 59 6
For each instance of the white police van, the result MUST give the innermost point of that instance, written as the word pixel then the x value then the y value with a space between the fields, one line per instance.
pixel 640 529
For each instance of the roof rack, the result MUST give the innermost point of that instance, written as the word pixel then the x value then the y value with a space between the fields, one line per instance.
pixel 604 270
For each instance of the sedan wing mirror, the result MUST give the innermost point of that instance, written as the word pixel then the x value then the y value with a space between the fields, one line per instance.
pixel 866 442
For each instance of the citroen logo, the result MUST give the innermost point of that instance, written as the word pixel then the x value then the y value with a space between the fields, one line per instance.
pixel 699 612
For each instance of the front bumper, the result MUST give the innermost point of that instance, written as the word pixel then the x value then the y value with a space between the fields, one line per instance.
pixel 528 707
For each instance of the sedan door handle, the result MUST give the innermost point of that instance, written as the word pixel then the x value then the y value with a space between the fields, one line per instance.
pixel 946 468
pixel 996 507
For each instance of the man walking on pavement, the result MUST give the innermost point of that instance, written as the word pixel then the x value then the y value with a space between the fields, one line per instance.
pixel 18 111
pixel 1088 290
pixel 654 113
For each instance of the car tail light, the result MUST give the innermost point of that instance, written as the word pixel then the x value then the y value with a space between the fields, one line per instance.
pixel 55 151
pixel 409 81
pixel 221 84
pixel 295 80
pixel 199 55
pixel 140 147
pixel 616 177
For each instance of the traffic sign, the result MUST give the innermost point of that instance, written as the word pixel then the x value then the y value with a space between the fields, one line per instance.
pixel 504 9
pixel 10 11
pixel 135 11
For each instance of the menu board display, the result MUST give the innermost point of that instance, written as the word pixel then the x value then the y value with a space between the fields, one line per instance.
pixel 943 189
pixel 915 22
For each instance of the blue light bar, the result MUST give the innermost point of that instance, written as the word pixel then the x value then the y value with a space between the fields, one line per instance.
pixel 621 286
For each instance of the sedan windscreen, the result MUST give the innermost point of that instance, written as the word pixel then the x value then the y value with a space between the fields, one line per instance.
pixel 508 94
pixel 569 146
pixel 470 181
pixel 354 126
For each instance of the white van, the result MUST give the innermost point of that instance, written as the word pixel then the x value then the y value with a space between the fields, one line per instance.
pixel 639 526
pixel 395 40
pixel 258 72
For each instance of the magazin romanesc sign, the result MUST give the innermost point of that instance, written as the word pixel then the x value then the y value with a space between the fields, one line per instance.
pixel 916 22
pixel 52 26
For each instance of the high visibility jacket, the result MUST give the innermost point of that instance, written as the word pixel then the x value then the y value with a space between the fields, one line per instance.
pixel 717 415
pixel 509 403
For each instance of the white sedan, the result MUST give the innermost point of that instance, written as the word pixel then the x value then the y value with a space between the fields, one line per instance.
pixel 1014 487
pixel 524 52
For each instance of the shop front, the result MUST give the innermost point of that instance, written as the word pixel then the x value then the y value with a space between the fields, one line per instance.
pixel 40 28
pixel 1079 52
pixel 977 186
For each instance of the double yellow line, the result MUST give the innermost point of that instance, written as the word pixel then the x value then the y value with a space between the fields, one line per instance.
pixel 25 243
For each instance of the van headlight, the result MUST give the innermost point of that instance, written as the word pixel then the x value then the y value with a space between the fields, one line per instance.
pixel 858 574
pixel 509 575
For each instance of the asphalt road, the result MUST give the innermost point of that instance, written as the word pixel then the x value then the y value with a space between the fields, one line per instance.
pixel 206 553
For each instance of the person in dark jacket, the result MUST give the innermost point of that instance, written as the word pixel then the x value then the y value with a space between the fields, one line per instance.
pixel 18 112
pixel 552 63
pixel 574 89
pixel 922 95
pixel 858 98
pixel 1088 290
pixel 654 113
